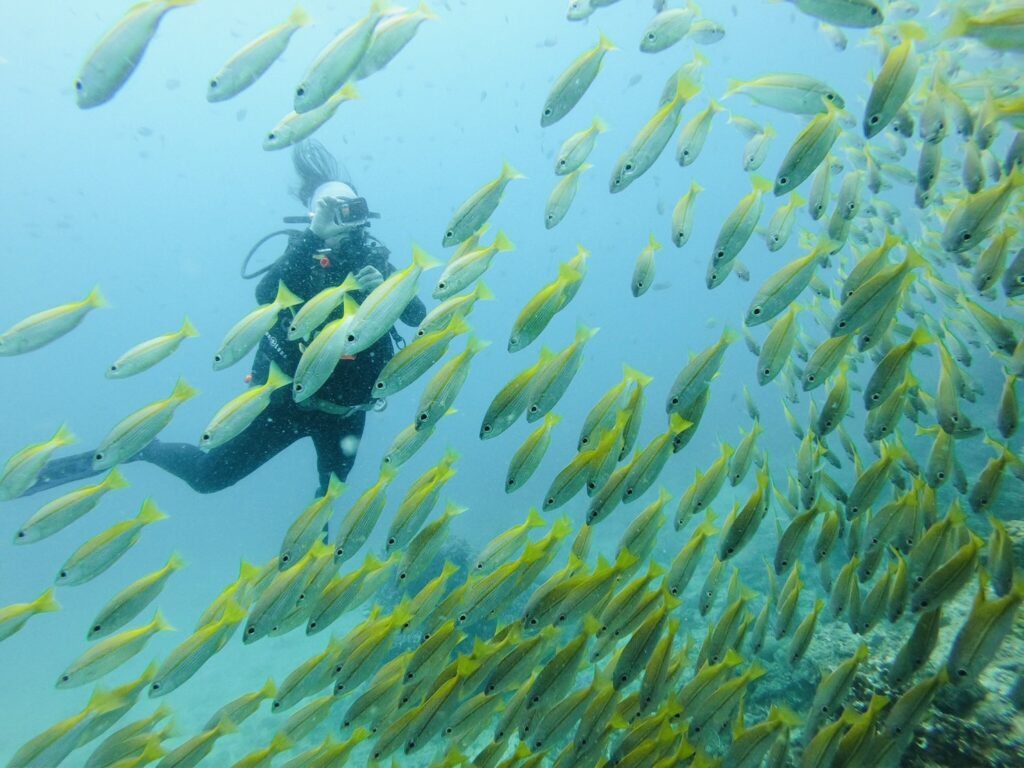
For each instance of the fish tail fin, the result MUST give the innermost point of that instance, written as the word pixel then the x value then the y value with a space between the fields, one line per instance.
pixel 422 259
pixel 350 305
pixel 551 419
pixel 483 293
pixel 959 24
pixel 300 17
pixel 277 378
pixel 476 344
pixel 347 92
pixel 334 487
pixel 387 474
pixel 46 602
pixel 150 513
pixel 178 3
pixel 653 242
pixel 921 336
pixel 64 436
pixel 175 562
pixel 160 623
pixel 458 325
pixel 678 424
pixel 797 200
pixel 686 89
pixel 605 44
pixel 115 480
pixel 912 30
pixel 187 329
pixel 533 519
pixel 599 125
pixel 350 283
pixel 502 243
pixel 285 298
pixel 584 333
pixel 427 12
pixel 510 173
pixel 183 391
pixel 729 336
pixel 567 274
pixel 761 184
pixel 732 88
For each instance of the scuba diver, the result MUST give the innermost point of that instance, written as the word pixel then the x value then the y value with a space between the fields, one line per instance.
pixel 335 244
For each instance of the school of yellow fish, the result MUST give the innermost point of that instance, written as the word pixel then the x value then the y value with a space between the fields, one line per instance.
pixel 605 665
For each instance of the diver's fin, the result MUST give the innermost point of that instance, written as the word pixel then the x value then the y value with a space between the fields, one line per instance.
pixel 65 470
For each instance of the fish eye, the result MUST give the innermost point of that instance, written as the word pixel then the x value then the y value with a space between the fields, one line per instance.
pixel 98 457
pixel 156 686
pixel 651 36
pixel 271 136
pixel 65 678
pixel 351 337
pixel 206 437
pixel 767 371
pixel 298 387
pixel 547 111
pixel 300 91
pixel 63 574
pixel 424 416
pixel 628 166
pixel 966 236
pixel 250 630
pixel 97 628
pixel 79 86
pixel 113 367
pixel 830 96
pixel 783 180
pixel 380 385
pixel 213 83
pixel 21 534
pixel 873 120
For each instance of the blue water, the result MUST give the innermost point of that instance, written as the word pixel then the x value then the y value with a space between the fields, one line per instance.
pixel 157 195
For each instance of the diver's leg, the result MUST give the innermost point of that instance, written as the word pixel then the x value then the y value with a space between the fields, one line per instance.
pixel 280 425
pixel 68 469
pixel 331 457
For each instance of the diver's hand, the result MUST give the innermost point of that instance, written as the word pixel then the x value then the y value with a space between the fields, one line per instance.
pixel 326 222
pixel 369 278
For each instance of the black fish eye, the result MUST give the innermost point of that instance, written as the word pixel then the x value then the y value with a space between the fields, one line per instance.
pixel 213 83
pixel 271 136
pixel 874 120
pixel 79 85
pixel 300 91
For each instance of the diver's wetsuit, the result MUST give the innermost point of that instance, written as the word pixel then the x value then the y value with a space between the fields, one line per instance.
pixel 306 271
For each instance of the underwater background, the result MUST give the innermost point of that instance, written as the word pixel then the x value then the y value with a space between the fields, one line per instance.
pixel 157 195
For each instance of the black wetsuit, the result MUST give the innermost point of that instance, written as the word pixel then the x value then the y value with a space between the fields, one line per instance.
pixel 306 269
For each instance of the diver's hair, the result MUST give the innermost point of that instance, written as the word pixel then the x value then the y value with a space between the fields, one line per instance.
pixel 315 166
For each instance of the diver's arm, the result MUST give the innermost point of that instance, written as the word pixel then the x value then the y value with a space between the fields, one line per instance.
pixel 414 312
pixel 292 268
